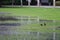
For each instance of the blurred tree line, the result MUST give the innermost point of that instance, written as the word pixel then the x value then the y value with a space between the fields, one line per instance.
pixel 18 2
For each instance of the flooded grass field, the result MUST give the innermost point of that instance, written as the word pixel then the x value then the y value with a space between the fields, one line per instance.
pixel 29 28
pixel 29 24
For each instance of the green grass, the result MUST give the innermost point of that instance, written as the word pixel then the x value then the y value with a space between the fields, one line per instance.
pixel 44 13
